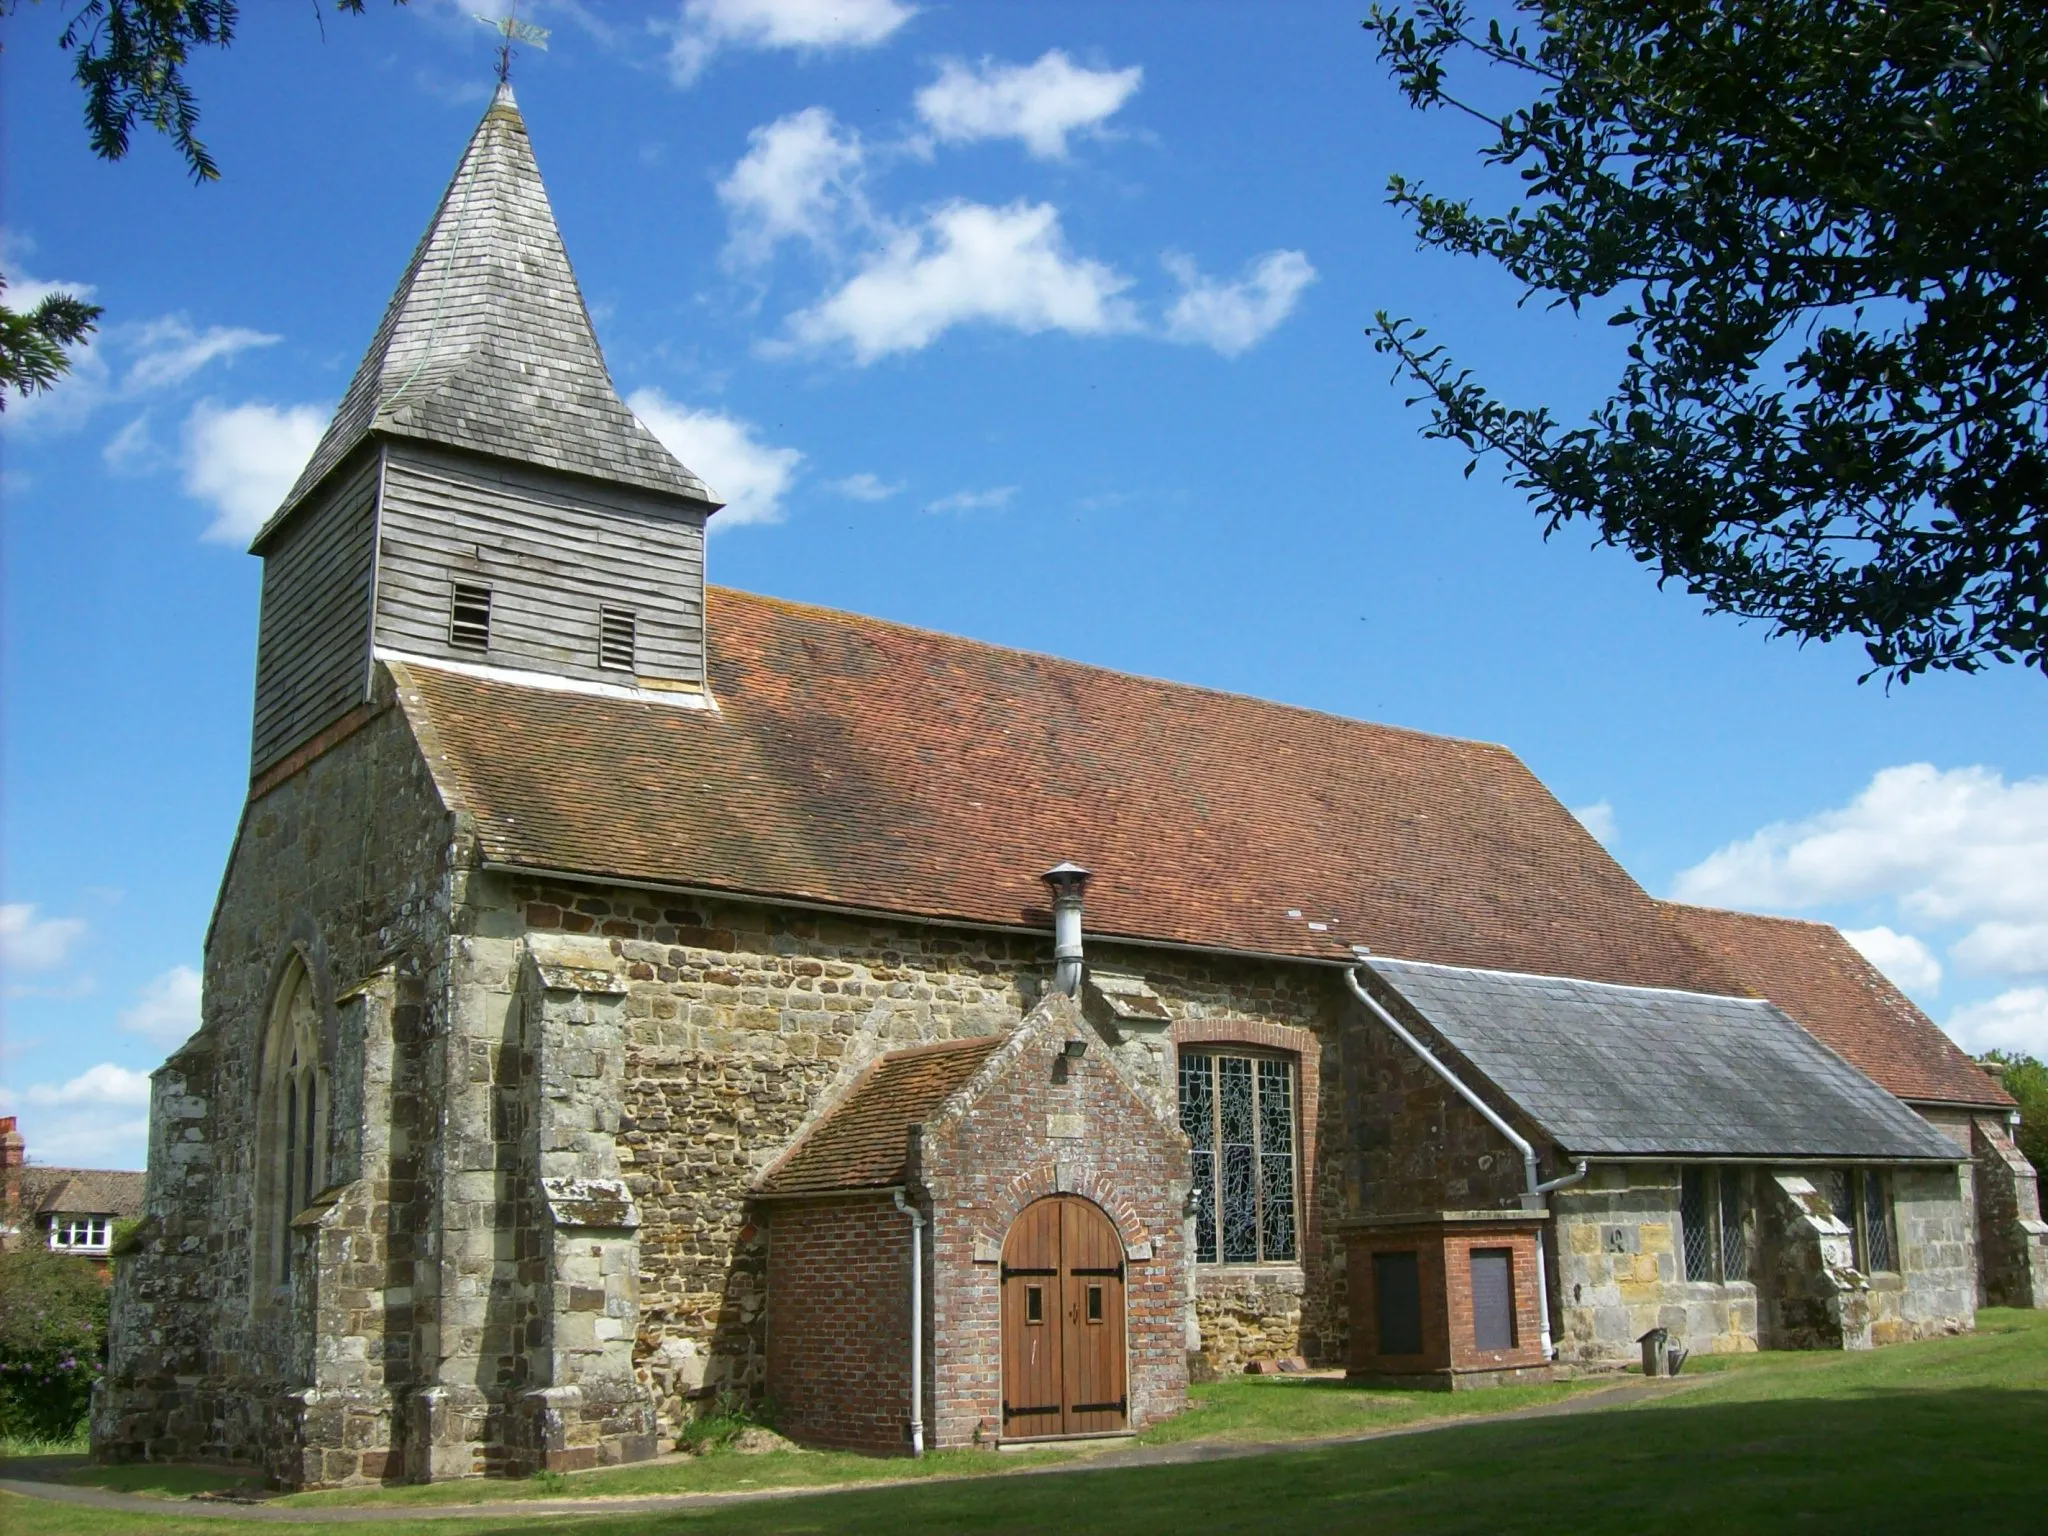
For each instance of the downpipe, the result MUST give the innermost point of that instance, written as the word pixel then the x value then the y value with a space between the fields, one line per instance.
pixel 1535 1194
pixel 916 1322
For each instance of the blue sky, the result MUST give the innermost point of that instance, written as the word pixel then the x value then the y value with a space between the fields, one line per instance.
pixel 1038 323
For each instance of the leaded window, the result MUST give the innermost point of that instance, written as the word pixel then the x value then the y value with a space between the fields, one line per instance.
pixel 1861 1200
pixel 1695 1220
pixel 1238 1111
pixel 1714 1223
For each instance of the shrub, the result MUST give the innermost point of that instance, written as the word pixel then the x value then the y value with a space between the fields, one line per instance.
pixel 53 1330
pixel 724 1420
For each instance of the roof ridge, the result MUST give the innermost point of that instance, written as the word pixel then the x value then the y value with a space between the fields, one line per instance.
pixel 1577 981
pixel 820 609
pixel 1761 917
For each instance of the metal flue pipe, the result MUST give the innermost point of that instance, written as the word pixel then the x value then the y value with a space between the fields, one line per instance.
pixel 1069 881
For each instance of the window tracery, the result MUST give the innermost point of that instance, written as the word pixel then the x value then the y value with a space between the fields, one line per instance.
pixel 291 1122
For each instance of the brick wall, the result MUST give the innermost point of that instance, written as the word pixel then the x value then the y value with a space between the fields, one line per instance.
pixel 838 1315
pixel 1450 1347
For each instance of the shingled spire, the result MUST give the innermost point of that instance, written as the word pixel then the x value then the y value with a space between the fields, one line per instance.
pixel 487 346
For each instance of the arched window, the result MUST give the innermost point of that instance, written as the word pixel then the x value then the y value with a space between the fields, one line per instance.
pixel 291 1129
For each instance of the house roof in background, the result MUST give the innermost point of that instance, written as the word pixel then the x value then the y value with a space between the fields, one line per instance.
pixel 1814 974
pixel 113 1192
pixel 1634 1071
pixel 863 1141
pixel 487 344
pixel 862 764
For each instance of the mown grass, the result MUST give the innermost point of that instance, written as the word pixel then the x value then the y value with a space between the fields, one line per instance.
pixel 1940 1435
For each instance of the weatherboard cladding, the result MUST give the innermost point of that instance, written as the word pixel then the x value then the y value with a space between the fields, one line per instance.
pixel 1631 1071
pixel 861 764
pixel 487 345
pixel 1813 973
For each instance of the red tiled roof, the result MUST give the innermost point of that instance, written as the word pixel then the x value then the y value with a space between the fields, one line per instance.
pixel 863 764
pixel 863 1141
pixel 1814 974
pixel 114 1192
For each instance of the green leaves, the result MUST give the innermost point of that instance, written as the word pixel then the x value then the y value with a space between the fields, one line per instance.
pixel 33 342
pixel 1825 224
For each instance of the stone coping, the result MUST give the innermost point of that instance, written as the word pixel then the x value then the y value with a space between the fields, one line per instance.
pixel 1440 1219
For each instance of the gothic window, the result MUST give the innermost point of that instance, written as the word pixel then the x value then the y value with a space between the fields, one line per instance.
pixel 291 1120
pixel 1238 1111
pixel 1714 1223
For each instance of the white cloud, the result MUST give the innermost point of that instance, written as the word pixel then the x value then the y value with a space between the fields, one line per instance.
pixel 1234 317
pixel 2010 949
pixel 25 293
pixel 168 351
pixel 167 1008
pixel 1037 104
pixel 131 450
pixel 103 1084
pixel 98 1119
pixel 1959 847
pixel 799 179
pixel 1902 957
pixel 31 943
pixel 867 487
pixel 2016 1020
pixel 970 263
pixel 703 27
pixel 994 499
pixel 1598 819
pixel 751 476
pixel 241 460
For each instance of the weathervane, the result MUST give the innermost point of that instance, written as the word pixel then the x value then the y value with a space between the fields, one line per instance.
pixel 513 30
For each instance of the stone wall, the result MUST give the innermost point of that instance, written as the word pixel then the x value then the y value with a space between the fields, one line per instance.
pixel 1620 1271
pixel 1812 1296
pixel 1935 1288
pixel 2012 1238
pixel 743 1019
pixel 346 862
pixel 1248 1312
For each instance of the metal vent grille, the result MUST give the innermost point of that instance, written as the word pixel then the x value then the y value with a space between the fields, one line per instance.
pixel 469 617
pixel 615 629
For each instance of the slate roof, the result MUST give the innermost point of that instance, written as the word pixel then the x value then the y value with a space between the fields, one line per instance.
pixel 1814 974
pixel 113 1192
pixel 861 764
pixel 863 1141
pixel 1632 1071
pixel 487 345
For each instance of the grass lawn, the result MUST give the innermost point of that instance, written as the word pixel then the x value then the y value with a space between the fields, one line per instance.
pixel 1929 1436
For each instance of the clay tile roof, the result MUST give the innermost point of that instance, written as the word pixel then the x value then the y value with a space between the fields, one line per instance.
pixel 82 1191
pixel 1814 974
pixel 487 345
pixel 863 764
pixel 862 1142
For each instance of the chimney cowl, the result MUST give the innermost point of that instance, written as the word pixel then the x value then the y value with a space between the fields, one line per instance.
pixel 1069 881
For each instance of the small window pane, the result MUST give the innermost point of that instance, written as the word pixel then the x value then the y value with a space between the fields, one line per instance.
pixel 1696 1222
pixel 1198 1119
pixel 1877 1222
pixel 1034 1303
pixel 1094 1303
pixel 1734 1224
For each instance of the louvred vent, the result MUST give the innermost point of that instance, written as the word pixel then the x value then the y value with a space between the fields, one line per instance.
pixel 615 638
pixel 469 622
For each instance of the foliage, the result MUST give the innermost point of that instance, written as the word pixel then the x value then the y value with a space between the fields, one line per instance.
pixel 32 341
pixel 729 1416
pixel 129 57
pixel 2027 1081
pixel 53 1329
pixel 1822 226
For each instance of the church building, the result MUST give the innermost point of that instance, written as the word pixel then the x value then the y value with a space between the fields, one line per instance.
pixel 627 995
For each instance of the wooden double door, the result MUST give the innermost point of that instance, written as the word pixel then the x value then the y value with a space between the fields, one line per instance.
pixel 1063 1322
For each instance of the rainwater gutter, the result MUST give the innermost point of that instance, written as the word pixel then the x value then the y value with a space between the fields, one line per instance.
pixel 1535 1195
pixel 916 1321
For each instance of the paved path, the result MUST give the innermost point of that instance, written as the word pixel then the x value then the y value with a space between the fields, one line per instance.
pixel 37 1479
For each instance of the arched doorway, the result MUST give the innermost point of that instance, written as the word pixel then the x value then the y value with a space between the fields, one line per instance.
pixel 1063 1322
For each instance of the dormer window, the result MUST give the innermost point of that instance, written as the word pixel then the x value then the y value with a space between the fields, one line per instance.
pixel 469 617
pixel 615 634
